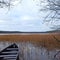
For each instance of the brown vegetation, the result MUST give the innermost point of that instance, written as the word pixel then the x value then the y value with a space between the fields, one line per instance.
pixel 48 41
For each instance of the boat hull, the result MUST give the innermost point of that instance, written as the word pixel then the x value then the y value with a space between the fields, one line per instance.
pixel 10 53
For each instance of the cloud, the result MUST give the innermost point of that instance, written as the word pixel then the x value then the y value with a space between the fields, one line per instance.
pixel 23 17
pixel 2 21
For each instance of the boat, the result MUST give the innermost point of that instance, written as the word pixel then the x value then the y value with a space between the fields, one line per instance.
pixel 10 53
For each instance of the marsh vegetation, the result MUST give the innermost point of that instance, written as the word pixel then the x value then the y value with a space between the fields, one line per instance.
pixel 34 47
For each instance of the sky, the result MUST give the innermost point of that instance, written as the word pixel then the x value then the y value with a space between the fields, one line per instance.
pixel 24 16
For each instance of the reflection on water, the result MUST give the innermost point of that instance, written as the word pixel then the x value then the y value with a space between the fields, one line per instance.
pixel 29 51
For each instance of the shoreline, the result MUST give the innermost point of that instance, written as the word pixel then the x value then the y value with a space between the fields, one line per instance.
pixel 27 33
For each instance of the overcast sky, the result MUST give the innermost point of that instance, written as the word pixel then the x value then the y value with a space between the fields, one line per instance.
pixel 23 17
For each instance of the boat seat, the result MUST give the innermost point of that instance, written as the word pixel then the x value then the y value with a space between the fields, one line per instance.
pixel 12 49
pixel 8 55
pixel 12 52
pixel 1 57
pixel 11 59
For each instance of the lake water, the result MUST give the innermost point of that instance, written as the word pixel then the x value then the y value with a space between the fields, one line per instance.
pixel 29 51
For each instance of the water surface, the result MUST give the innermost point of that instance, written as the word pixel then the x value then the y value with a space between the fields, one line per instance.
pixel 29 51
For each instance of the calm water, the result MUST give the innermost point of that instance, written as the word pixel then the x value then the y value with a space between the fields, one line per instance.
pixel 28 51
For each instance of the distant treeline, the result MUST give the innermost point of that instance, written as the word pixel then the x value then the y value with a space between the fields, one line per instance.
pixel 29 32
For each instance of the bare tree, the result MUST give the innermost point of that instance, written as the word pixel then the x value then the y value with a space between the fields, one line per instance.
pixel 8 3
pixel 53 17
pixel 54 5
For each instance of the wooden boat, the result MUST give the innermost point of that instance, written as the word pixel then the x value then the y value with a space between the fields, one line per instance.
pixel 10 53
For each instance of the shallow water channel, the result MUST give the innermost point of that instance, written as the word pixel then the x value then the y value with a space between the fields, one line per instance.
pixel 29 51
